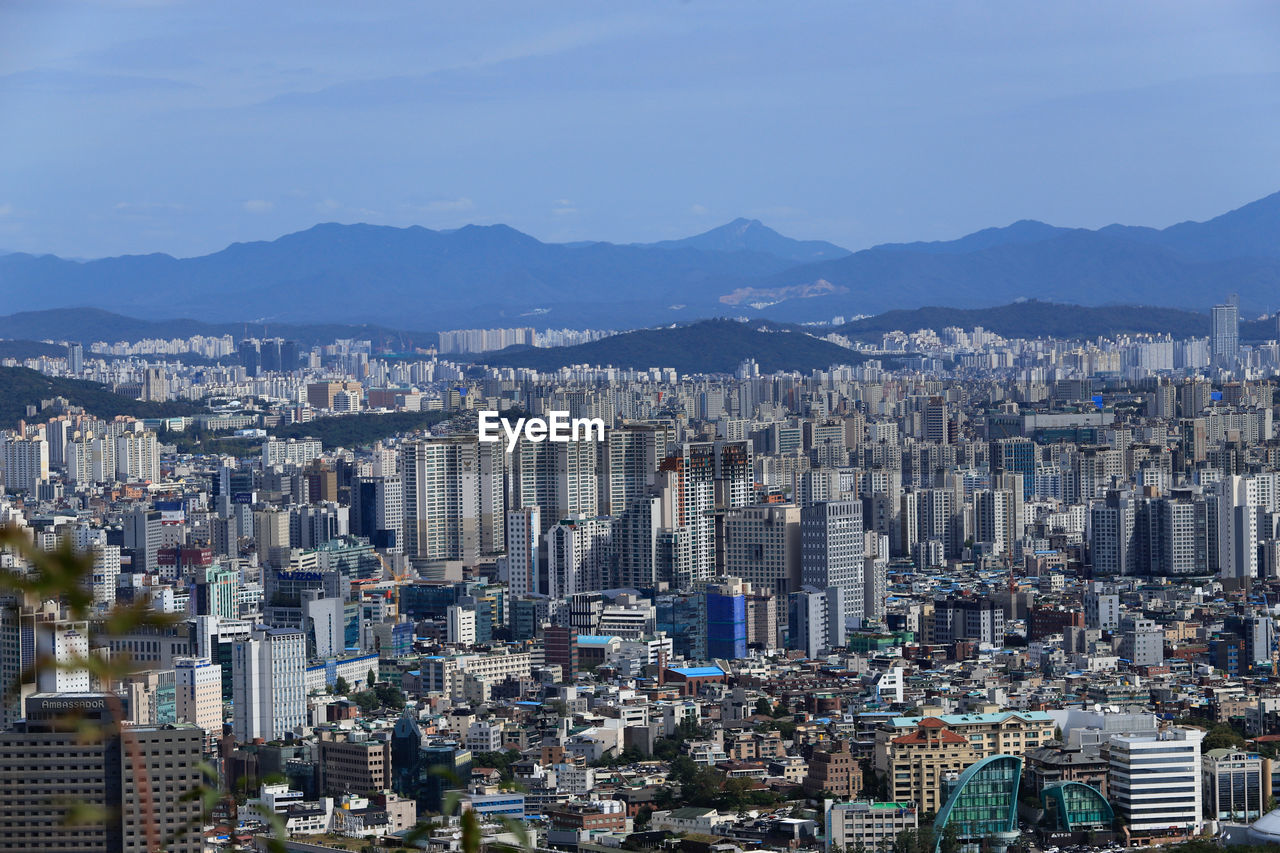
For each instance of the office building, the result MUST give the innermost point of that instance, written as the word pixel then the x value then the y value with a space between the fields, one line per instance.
pixel 727 619
pixel 1155 782
pixel 1224 338
pixel 831 551
pixel 815 623
pixel 763 546
pixel 268 692
pixel 1237 785
pixel 48 763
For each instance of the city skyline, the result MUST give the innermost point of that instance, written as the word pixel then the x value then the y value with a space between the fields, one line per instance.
pixel 690 523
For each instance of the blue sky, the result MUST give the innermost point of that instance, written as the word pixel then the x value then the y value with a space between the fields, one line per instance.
pixel 181 127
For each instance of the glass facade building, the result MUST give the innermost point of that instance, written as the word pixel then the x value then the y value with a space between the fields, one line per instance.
pixel 982 804
pixel 1074 806
pixel 726 626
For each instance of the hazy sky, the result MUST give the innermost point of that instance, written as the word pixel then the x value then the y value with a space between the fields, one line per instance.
pixel 183 126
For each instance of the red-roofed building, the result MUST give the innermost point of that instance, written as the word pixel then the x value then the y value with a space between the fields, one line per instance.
pixel 920 762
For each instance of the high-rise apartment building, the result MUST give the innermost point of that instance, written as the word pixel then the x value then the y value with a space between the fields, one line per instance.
pixel 268 689
pixel 1238 502
pixel 831 551
pixel 689 513
pixel 523 564
pixel 560 478
pixel 138 457
pixel 1224 337
pixel 26 464
pixel 198 695
pixel 453 498
pixel 579 555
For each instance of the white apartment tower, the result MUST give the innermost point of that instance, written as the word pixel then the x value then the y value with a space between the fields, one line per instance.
pixel 453 498
pixel 267 681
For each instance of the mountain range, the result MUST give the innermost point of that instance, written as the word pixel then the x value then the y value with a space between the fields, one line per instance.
pixel 496 276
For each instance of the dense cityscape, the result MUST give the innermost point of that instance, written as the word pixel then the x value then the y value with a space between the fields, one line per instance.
pixel 1009 593
pixel 668 427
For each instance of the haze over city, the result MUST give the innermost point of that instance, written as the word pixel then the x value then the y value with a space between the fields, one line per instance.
pixel 138 127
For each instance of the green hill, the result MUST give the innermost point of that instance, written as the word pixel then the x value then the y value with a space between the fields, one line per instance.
pixel 21 387
pixel 709 346
pixel 360 430
pixel 23 350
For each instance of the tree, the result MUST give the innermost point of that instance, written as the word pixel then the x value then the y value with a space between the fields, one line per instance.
pixel 366 700
pixel 733 793
pixel 1222 737
pixel 666 749
pixel 370 679
pixel 341 687
pixel 763 708
pixel 950 841
pixel 665 798
pixel 389 695
pixel 786 728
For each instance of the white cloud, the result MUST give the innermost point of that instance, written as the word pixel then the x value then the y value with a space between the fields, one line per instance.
pixel 6 209
pixel 699 210
pixel 564 208
pixel 257 205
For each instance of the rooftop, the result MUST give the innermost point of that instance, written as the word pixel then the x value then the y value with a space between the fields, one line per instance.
pixel 698 671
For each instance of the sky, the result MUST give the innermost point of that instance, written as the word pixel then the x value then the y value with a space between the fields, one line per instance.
pixel 180 127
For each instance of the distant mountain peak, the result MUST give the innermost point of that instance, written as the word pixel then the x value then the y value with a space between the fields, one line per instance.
pixel 752 235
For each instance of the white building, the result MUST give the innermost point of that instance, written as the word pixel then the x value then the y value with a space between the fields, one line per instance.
pixel 138 457
pixel 1238 527
pixel 268 688
pixel 868 825
pixel 199 694
pixel 1155 782
pixel 61 647
pixel 290 452
pixel 485 736
pixel 579 555
pixel 106 571
pixel 26 464
pixel 460 625
pixel 453 498
pixel 831 543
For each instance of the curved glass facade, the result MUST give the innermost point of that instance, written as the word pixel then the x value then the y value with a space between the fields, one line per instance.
pixel 983 803
pixel 1077 806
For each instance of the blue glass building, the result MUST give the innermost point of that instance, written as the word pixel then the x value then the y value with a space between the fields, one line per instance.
pixel 982 806
pixel 726 626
